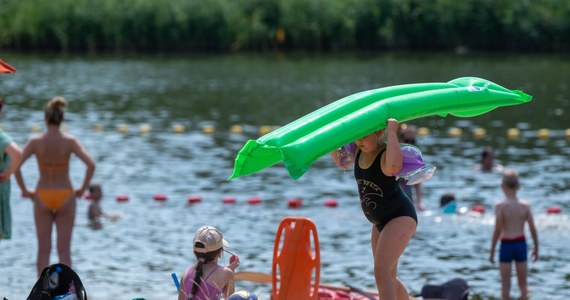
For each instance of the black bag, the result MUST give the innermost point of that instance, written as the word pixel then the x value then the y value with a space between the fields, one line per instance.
pixel 57 280
pixel 454 289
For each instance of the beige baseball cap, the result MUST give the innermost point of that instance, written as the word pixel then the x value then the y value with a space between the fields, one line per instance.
pixel 211 237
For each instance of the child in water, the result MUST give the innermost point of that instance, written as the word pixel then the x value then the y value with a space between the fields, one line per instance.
pixel 207 279
pixel 448 204
pixel 95 212
pixel 384 204
pixel 511 215
pixel 487 162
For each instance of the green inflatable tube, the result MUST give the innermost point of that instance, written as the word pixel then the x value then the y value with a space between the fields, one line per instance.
pixel 301 142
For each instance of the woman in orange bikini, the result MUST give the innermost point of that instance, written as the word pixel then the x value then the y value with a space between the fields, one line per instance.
pixel 54 198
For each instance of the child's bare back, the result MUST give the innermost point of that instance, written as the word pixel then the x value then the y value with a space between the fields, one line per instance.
pixel 513 214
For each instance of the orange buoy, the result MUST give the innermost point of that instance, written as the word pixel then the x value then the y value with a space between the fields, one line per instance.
pixel 229 200
pixel 331 203
pixel 122 198
pixel 479 132
pixel 254 200
pixel 160 197
pixel 194 199
pixel 236 129
pixel 478 208
pixel 455 132
pixel 553 210
pixel 294 203
pixel 513 133
pixel 543 133
pixel 423 131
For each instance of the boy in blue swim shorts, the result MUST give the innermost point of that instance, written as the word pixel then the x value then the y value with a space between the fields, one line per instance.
pixel 511 215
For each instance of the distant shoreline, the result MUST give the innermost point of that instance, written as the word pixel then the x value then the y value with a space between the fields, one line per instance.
pixel 179 26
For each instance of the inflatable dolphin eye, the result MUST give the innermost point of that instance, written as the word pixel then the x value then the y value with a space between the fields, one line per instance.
pixel 301 142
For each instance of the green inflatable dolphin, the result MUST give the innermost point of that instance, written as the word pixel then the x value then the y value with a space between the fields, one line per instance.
pixel 301 142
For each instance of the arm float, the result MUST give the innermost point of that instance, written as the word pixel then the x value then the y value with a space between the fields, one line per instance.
pixel 414 169
pixel 303 141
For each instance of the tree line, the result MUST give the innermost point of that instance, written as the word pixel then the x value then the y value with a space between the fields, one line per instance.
pixel 284 25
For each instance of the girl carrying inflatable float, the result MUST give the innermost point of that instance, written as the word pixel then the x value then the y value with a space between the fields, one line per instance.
pixel 377 163
pixel 301 142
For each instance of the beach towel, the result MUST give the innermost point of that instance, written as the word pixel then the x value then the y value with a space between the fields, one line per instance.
pixel 5 210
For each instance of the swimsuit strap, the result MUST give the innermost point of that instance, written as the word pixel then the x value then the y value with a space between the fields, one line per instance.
pixel 54 165
pixel 357 157
pixel 204 279
pixel 211 272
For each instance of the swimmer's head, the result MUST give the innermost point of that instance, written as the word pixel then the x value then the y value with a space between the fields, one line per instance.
pixel 407 134
pixel 54 110
pixel 511 180
pixel 95 191
pixel 487 159
pixel 446 198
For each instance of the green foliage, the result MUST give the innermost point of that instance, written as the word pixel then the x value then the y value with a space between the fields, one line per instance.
pixel 266 25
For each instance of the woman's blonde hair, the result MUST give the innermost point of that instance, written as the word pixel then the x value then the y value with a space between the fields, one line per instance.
pixel 54 110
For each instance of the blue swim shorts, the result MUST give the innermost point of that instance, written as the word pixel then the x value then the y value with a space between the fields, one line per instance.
pixel 513 250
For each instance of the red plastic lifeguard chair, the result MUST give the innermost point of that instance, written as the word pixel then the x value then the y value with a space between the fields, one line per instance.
pixel 295 270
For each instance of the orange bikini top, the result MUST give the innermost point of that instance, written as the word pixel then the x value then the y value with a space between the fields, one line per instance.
pixel 54 166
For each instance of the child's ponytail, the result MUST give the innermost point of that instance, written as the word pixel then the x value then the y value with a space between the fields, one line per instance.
pixel 197 275
pixel 199 270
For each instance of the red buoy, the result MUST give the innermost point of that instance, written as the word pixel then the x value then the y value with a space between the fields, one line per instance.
pixel 254 200
pixel 229 200
pixel 194 199
pixel 478 208
pixel 294 203
pixel 331 203
pixel 122 198
pixel 553 210
pixel 160 197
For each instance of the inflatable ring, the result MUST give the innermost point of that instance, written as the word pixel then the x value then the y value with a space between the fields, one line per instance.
pixel 301 142
pixel 553 210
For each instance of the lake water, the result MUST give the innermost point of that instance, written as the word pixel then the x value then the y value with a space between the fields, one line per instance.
pixel 134 256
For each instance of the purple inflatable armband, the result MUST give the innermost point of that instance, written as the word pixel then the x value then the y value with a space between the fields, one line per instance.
pixel 346 155
pixel 414 170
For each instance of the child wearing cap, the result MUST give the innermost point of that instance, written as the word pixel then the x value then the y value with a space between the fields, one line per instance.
pixel 207 279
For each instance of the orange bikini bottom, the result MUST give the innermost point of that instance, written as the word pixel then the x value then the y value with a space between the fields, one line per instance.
pixel 53 199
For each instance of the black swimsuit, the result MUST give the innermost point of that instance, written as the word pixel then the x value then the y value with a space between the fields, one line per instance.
pixel 381 197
